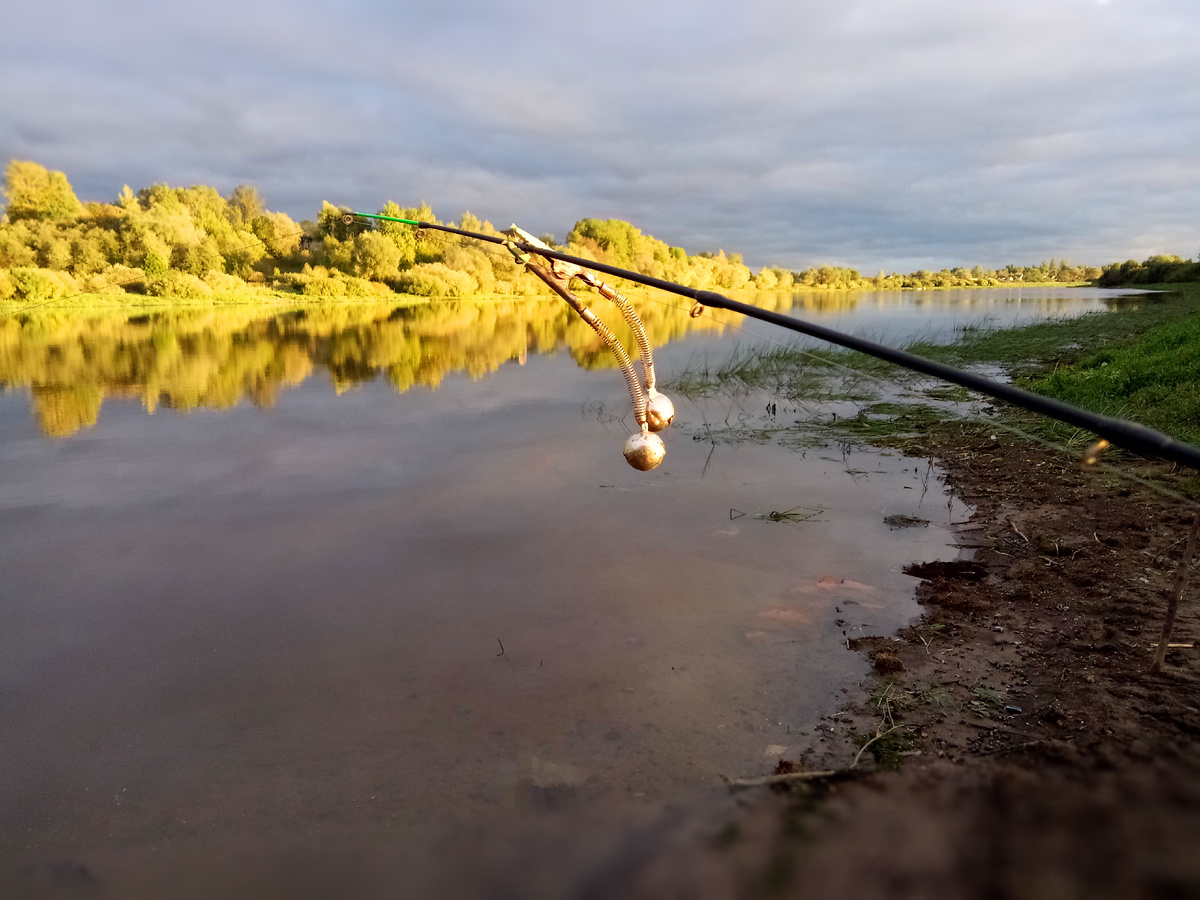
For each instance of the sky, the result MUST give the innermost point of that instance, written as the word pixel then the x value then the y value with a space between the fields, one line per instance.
pixel 879 134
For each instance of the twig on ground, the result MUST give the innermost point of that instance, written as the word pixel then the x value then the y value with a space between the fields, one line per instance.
pixel 785 778
pixel 1176 595
pixel 1014 527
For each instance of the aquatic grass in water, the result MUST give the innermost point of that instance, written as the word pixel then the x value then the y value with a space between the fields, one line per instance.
pixel 795 514
pixel 1060 341
pixel 790 373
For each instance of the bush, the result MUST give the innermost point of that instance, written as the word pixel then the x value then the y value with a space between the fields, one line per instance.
pixel 16 246
pixel 435 280
pixel 87 256
pixel 199 258
pixel 39 284
pixel 99 283
pixel 361 288
pixel 118 279
pixel 325 288
pixel 226 284
pixel 241 251
pixel 375 256
pixel 155 264
pixel 178 285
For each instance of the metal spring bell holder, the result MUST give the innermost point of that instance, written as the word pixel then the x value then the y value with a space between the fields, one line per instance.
pixel 653 410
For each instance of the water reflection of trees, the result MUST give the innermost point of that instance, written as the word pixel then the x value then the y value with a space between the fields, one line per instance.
pixel 217 357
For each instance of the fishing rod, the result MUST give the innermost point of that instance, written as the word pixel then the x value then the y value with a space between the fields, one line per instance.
pixel 1129 435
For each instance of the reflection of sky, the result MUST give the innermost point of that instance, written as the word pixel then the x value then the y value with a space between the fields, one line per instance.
pixel 864 133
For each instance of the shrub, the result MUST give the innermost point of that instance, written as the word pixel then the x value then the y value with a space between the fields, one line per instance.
pixel 325 288
pixel 178 285
pixel 360 287
pixel 219 281
pixel 118 279
pixel 36 284
pixel 435 280
pixel 201 257
pixel 375 256
pixel 155 264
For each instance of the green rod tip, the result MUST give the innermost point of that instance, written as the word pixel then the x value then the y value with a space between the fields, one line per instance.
pixel 387 218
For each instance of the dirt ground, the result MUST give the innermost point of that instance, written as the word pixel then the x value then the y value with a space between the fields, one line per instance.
pixel 1024 749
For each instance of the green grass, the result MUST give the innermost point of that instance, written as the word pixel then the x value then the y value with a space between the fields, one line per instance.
pixel 1140 362
pixel 1033 348
pixel 1154 380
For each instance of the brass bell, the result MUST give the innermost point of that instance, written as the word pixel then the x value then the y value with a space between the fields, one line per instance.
pixel 660 411
pixel 644 450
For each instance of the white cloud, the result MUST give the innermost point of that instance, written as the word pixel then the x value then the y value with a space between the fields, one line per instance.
pixel 869 133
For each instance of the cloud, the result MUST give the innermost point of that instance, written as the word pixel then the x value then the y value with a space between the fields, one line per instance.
pixel 866 133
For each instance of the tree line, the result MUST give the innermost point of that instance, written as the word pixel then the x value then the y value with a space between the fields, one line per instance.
pixel 1155 270
pixel 194 243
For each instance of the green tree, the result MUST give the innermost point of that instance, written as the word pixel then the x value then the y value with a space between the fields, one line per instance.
pixel 35 193
pixel 200 258
pixel 87 255
pixel 403 236
pixel 154 264
pixel 616 239
pixel 55 251
pixel 330 224
pixel 375 257
pixel 245 205
pixel 241 250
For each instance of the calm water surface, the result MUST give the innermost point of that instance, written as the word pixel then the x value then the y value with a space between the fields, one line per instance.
pixel 313 602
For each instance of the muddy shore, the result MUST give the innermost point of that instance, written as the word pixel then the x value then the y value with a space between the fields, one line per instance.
pixel 1022 747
